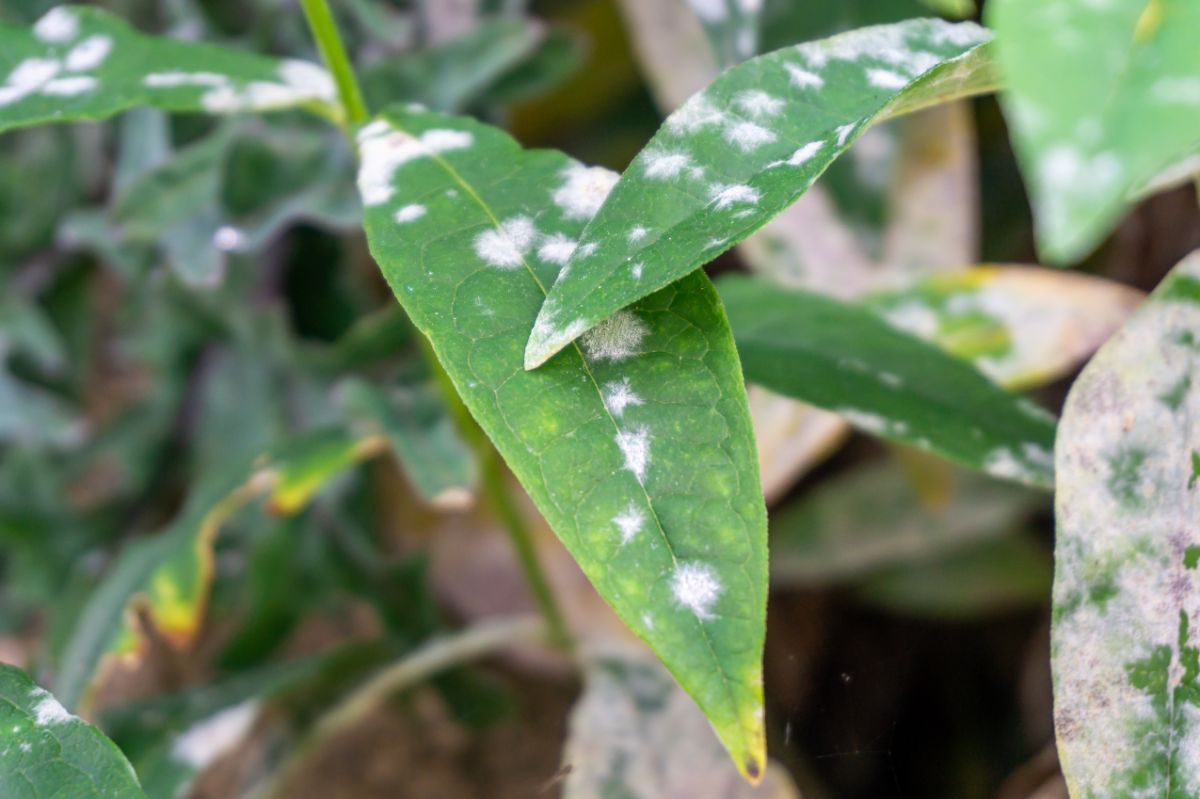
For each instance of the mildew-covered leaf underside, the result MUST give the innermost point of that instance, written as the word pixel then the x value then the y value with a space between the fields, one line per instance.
pixel 635 443
pixel 1127 587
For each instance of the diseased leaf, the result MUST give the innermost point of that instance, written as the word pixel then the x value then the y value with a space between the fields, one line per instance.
pixel 741 151
pixel 1020 326
pixel 635 444
pixel 856 524
pixel 47 752
pixel 634 734
pixel 844 358
pixel 1126 584
pixel 78 62
pixel 1101 98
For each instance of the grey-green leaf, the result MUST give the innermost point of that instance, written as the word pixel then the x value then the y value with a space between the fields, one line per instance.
pixel 83 63
pixel 635 444
pixel 845 358
pixel 741 151
pixel 1126 584
pixel 47 752
pixel 1101 98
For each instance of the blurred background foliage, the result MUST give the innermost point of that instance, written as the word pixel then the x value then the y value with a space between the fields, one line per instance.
pixel 204 380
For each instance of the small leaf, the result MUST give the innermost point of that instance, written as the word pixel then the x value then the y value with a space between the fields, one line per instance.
pixel 873 518
pixel 83 63
pixel 741 151
pixel 47 752
pixel 636 444
pixel 846 359
pixel 1101 98
pixel 1124 649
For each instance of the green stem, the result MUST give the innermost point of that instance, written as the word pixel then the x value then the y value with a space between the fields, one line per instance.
pixel 333 53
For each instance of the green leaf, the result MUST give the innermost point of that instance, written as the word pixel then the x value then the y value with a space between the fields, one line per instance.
pixel 859 523
pixel 636 444
pixel 1102 97
pixel 82 63
pixel 741 151
pixel 1124 649
pixel 992 577
pixel 846 359
pixel 47 752
pixel 634 734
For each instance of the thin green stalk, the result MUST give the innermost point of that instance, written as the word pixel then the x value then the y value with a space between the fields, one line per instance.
pixel 333 53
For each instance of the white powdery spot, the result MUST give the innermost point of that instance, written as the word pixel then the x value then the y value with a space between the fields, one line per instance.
pixel 618 396
pixel 557 249
pixel 588 249
pixel 70 86
pixel 802 155
pixel 629 522
pixel 802 78
pixel 635 446
pixel 33 73
pixel 869 422
pixel 725 195
pixel 665 163
pixel 915 318
pixel 505 246
pixel 636 234
pixel 616 338
pixel 843 133
pixel 693 115
pixel 207 740
pixel 696 587
pixel 90 53
pixel 171 80
pixel 886 79
pixel 385 149
pixel 758 103
pixel 636 270
pixel 57 25
pixel 648 620
pixel 584 191
pixel 308 79
pixel 748 136
pixel 48 711
pixel 228 238
pixel 410 213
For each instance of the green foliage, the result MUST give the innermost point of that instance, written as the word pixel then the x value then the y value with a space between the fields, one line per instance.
pixel 1096 127
pixel 740 152
pixel 846 359
pixel 636 444
pixel 1124 655
pixel 47 752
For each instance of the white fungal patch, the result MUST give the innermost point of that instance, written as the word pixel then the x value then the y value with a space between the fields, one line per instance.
pixel 758 103
pixel 636 270
pixel 843 133
pixel 629 522
pixel 726 195
pixel 636 234
pixel 665 163
pixel 693 115
pixel 618 396
pixel 584 190
pixel 29 76
pixel 90 53
pixel 648 621
pixel 802 155
pixel 171 80
pixel 70 86
pixel 57 25
pixel 385 149
pixel 802 78
pixel 588 249
pixel 748 136
pixel 48 712
pixel 616 338
pixel 506 245
pixel 207 740
pixel 308 79
pixel 635 447
pixel 410 213
pixel 886 79
pixel 696 587
pixel 557 249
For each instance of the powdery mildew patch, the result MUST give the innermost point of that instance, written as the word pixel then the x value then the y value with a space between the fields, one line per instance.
pixel 697 587
pixel 584 190
pixel 618 396
pixel 635 447
pixel 629 522
pixel 43 75
pixel 505 246
pixel 410 213
pixel 616 338
pixel 48 712
pixel 385 149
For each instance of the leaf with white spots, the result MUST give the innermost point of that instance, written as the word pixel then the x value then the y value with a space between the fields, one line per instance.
pixel 846 359
pixel 47 752
pixel 743 150
pixel 1102 97
pixel 635 443
pixel 83 63
pixel 1126 584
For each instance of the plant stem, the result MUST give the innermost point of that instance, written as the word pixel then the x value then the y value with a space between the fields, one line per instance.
pixel 333 53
